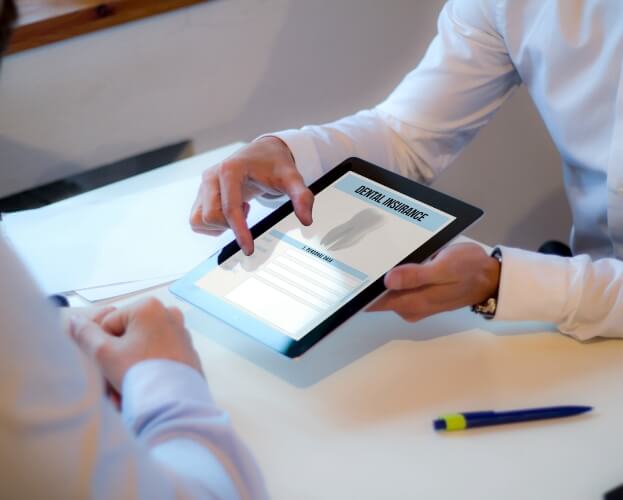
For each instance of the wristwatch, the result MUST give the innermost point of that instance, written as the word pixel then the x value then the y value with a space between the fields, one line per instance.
pixel 488 308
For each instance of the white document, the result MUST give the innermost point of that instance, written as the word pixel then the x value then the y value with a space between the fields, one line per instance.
pixel 134 237
pixel 106 292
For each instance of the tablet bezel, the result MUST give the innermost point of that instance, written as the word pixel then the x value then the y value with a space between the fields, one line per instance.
pixel 464 213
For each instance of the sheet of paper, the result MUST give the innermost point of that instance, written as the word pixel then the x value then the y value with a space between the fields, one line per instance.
pixel 128 238
pixel 100 293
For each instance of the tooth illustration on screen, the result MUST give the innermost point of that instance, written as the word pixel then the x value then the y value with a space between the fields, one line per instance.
pixel 353 230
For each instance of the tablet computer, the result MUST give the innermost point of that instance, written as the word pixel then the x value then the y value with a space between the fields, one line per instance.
pixel 302 282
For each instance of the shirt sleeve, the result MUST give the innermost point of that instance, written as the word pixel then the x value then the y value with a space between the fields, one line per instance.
pixel 169 407
pixel 61 438
pixel 583 298
pixel 464 77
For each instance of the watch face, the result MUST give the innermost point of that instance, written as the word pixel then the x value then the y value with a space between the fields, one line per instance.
pixel 487 308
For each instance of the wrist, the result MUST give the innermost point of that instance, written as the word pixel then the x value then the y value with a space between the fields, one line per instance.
pixel 279 145
pixel 492 272
pixel 153 385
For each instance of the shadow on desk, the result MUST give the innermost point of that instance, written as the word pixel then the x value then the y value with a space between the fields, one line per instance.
pixel 360 336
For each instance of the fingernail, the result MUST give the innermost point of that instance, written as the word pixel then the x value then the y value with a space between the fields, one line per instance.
pixel 392 280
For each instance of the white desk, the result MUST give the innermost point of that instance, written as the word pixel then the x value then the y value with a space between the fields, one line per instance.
pixel 352 419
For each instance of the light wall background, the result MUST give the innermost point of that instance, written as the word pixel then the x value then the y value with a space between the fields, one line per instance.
pixel 229 70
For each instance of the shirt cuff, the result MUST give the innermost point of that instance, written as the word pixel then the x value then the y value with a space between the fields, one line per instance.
pixel 533 286
pixel 304 151
pixel 155 384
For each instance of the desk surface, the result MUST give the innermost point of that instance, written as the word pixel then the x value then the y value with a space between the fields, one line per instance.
pixel 353 417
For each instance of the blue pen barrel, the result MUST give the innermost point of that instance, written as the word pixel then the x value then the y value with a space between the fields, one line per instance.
pixel 484 419
pixel 467 420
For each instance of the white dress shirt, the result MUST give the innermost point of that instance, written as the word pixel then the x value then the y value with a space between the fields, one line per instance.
pixel 60 438
pixel 569 55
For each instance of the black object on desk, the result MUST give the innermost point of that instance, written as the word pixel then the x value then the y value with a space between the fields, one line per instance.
pixel 615 494
pixel 59 300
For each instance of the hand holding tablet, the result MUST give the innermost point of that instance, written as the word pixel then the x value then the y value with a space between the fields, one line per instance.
pixel 302 282
pixel 459 275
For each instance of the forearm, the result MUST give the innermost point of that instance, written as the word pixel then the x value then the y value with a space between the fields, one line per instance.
pixel 583 298
pixel 424 124
pixel 66 441
pixel 367 134
pixel 169 407
pixel 61 438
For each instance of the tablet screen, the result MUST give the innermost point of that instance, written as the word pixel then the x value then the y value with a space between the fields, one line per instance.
pixel 298 276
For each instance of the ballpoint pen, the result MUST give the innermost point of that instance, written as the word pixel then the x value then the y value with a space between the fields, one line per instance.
pixel 467 420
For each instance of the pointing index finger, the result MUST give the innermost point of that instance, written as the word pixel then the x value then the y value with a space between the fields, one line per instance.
pixel 231 181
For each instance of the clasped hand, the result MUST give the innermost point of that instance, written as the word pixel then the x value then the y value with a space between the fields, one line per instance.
pixel 117 339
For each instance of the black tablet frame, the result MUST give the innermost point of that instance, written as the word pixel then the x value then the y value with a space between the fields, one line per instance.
pixel 464 213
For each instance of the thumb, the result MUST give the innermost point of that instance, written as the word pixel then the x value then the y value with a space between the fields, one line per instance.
pixel 409 276
pixel 88 335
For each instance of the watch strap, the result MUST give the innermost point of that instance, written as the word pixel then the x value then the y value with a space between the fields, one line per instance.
pixel 488 307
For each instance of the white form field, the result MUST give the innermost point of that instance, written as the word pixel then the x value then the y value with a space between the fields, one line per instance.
pixel 292 289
